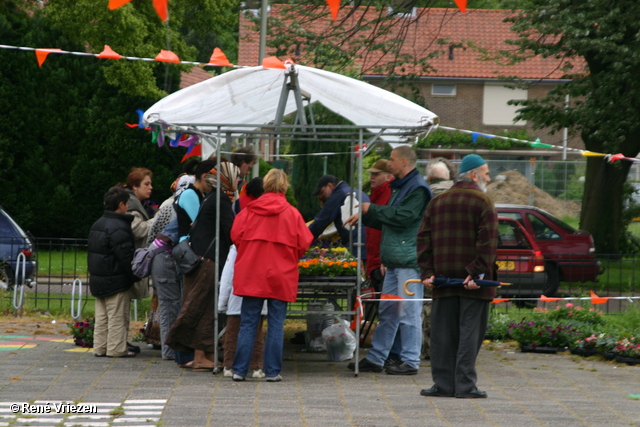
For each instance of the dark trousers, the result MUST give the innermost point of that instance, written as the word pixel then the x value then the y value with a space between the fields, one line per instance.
pixel 458 326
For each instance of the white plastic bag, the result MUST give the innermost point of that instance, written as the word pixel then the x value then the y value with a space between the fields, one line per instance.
pixel 340 341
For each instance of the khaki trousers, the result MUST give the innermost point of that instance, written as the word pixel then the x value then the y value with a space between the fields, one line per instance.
pixel 112 324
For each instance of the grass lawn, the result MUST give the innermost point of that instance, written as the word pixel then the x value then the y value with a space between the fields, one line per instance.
pixel 72 262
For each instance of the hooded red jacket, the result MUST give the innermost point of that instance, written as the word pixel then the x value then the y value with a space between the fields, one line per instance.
pixel 270 236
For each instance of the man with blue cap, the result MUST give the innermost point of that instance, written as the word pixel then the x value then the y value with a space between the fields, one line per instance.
pixel 458 238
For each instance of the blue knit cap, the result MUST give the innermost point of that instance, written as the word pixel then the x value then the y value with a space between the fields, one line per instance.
pixel 471 161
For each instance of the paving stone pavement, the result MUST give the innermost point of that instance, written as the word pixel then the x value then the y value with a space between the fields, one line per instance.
pixel 524 389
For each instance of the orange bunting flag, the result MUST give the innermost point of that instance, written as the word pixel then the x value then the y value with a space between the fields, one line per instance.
pixel 167 56
pixel 547 299
pixel 114 4
pixel 41 55
pixel 462 5
pixel 389 296
pixel 108 53
pixel 219 59
pixel 272 62
pixel 162 9
pixel 334 6
pixel 595 299
pixel 499 300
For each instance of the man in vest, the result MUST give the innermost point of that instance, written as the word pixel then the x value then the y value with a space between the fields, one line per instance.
pixel 399 221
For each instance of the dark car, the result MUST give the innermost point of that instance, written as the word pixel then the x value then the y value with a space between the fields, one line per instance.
pixel 13 242
pixel 520 261
pixel 569 253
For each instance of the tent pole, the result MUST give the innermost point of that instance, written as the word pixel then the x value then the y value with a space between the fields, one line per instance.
pixel 264 8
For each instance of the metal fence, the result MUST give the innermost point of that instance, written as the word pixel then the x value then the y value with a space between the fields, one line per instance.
pixel 62 281
pixel 563 180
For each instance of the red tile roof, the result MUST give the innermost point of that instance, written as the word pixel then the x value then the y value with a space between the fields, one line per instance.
pixel 484 28
pixel 196 75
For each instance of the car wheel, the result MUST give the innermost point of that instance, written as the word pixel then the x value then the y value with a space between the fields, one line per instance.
pixel 553 279
pixel 6 278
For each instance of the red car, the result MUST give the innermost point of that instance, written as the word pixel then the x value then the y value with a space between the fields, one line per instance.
pixel 520 261
pixel 569 253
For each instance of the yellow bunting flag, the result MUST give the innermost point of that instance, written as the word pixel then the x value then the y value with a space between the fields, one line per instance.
pixel 586 153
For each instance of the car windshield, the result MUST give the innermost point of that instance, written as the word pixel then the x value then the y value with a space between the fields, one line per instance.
pixel 511 237
pixel 6 227
pixel 566 227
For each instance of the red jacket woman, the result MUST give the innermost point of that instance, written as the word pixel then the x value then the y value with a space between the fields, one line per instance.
pixel 271 236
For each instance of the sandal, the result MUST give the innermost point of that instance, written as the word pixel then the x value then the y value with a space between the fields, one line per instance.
pixel 201 368
pixel 187 365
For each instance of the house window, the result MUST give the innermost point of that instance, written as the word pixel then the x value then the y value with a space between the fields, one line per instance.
pixel 443 90
pixel 495 110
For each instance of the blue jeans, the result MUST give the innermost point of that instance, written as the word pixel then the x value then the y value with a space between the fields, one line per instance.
pixel 399 317
pixel 250 316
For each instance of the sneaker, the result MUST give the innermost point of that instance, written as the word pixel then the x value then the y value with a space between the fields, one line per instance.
pixel 274 379
pixel 257 373
pixel 237 377
pixel 365 366
pixel 227 372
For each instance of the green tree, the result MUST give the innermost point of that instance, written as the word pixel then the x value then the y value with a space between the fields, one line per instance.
pixel 64 139
pixel 605 96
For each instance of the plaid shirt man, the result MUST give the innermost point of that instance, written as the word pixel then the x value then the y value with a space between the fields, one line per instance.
pixel 459 237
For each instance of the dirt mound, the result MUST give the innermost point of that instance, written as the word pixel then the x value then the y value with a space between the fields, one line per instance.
pixel 517 189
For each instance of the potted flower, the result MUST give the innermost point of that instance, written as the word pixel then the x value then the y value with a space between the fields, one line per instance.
pixel 628 351
pixel 586 316
pixel 586 346
pixel 327 259
pixel 82 332
pixel 498 327
pixel 541 336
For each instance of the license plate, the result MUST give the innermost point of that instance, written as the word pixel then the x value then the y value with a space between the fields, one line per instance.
pixel 506 265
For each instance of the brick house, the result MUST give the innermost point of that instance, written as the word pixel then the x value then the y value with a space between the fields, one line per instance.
pixel 463 90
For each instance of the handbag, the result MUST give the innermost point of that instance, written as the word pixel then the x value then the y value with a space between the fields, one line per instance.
pixel 141 264
pixel 186 259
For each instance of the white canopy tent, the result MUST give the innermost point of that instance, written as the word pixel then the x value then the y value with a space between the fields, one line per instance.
pixel 257 96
